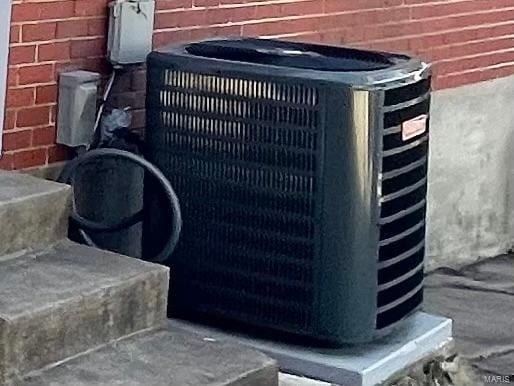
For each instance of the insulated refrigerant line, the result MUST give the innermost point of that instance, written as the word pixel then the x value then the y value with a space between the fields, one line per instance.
pixel 86 225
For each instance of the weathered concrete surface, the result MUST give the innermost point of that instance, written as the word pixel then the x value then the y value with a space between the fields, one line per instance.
pixel 47 172
pixel 422 336
pixel 33 212
pixel 173 357
pixel 480 300
pixel 69 298
pixel 471 173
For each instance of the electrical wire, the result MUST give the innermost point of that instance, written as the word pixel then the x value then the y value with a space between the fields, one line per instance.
pixel 105 97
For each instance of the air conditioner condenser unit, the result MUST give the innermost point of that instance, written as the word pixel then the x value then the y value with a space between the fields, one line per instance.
pixel 302 174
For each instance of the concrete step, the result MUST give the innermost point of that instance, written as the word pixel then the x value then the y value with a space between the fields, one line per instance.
pixel 167 357
pixel 33 212
pixel 68 298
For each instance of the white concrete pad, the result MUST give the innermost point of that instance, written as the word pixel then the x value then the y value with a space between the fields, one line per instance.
pixel 358 365
pixel 295 380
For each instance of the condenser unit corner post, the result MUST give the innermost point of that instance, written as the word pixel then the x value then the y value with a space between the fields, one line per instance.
pixel 350 214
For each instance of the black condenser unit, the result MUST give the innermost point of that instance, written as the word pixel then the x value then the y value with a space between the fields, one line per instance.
pixel 302 174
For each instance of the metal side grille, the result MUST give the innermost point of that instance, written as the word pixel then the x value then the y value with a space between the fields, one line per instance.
pixel 243 157
pixel 403 205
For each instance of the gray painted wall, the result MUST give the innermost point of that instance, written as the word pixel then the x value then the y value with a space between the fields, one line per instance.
pixel 471 176
pixel 5 24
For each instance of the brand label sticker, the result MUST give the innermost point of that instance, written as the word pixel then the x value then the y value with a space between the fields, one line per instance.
pixel 414 127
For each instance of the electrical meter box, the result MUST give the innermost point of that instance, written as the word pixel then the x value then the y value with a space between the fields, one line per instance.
pixel 78 92
pixel 130 31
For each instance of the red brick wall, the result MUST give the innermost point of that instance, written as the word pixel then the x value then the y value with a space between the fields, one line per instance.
pixel 468 40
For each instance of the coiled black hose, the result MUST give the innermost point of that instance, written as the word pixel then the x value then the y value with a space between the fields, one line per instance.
pixel 84 225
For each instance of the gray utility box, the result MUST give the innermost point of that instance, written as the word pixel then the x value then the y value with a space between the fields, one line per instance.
pixel 130 31
pixel 78 92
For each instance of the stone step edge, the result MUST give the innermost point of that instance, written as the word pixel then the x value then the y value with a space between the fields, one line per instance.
pixel 34 373
pixel 249 367
pixel 107 295
pixel 127 281
pixel 43 220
